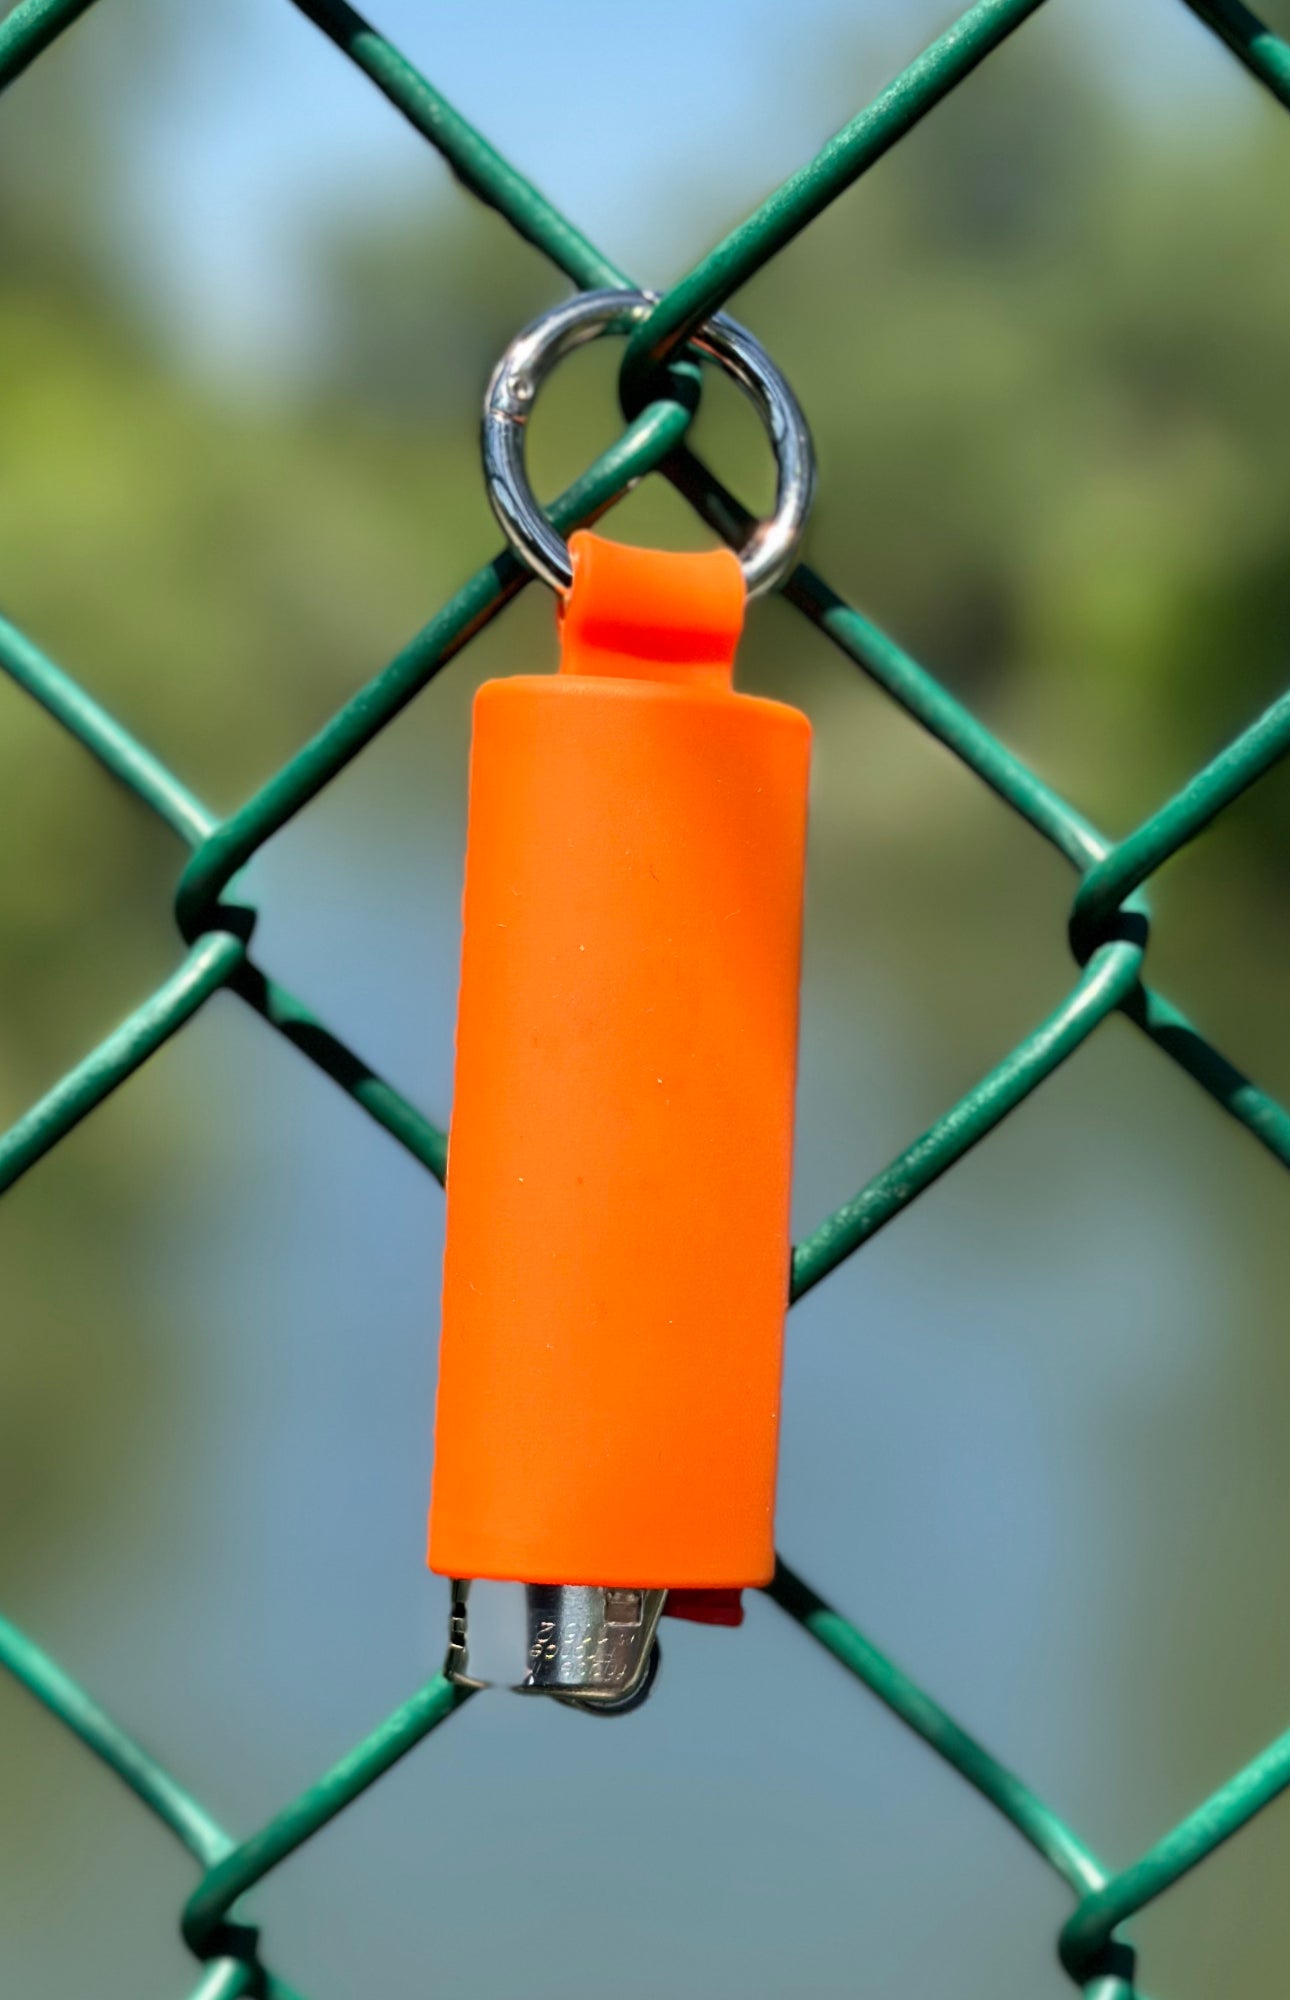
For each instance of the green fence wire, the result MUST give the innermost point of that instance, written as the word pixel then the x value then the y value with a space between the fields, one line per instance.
pixel 1108 931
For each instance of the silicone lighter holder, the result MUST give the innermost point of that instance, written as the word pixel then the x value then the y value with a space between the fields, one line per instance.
pixel 617 1259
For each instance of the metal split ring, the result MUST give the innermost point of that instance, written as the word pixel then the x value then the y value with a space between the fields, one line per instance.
pixel 512 392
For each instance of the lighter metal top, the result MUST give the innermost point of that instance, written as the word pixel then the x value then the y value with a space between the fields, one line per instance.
pixel 768 553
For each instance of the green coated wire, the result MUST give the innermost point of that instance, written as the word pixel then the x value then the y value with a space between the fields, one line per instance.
pixel 209 965
pixel 1085 1935
pixel 1108 930
pixel 921 695
pixel 478 166
pixel 224 1979
pixel 427 1142
pixel 945 718
pixel 642 447
pixel 60 1694
pixel 806 194
pixel 1039 1824
pixel 1263 1118
pixel 116 749
pixel 1169 830
pixel 232 1874
pixel 1265 55
pixel 1110 977
pixel 204 970
pixel 150 1782
pixel 29 28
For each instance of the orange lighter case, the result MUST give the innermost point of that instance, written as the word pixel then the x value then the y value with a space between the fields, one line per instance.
pixel 617 1259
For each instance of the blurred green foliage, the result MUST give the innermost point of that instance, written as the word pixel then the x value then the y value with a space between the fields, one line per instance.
pixel 1042 351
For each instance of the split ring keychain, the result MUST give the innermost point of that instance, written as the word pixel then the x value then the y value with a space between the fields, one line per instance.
pixel 616 1264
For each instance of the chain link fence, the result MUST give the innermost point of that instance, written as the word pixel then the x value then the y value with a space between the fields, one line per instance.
pixel 1108 932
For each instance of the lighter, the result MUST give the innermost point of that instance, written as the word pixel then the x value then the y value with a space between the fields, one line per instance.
pixel 617 1255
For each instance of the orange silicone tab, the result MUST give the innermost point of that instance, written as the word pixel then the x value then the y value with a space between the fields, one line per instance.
pixel 617 1258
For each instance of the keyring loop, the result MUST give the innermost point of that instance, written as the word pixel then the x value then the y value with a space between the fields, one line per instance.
pixel 512 392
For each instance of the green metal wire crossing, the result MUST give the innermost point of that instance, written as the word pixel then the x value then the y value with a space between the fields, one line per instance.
pixel 1108 931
